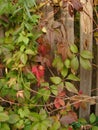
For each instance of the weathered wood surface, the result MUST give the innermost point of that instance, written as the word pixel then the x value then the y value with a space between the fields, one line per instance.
pixel 69 24
pixel 97 83
pixel 86 43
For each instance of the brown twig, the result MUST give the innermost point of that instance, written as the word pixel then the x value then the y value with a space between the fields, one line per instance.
pixel 10 102
pixel 82 100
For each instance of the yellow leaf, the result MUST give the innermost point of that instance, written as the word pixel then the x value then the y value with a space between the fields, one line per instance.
pixel 44 30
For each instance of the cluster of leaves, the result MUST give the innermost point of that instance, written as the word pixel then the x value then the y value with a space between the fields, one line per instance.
pixel 83 124
pixel 29 98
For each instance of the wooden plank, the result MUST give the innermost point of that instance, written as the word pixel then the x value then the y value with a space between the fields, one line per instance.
pixel 49 17
pixel 97 83
pixel 86 26
pixel 96 110
pixel 69 26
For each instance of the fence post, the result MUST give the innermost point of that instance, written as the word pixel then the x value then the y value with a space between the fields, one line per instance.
pixel 97 82
pixel 86 25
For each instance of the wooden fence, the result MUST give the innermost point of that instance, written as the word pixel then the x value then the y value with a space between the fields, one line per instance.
pixel 86 42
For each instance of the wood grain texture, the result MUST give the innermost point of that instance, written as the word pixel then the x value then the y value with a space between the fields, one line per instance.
pixel 97 83
pixel 86 27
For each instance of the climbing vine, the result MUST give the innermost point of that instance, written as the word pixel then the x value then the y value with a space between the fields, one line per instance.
pixel 39 79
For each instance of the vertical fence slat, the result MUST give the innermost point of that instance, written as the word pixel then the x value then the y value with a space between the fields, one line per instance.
pixel 69 26
pixel 97 82
pixel 86 43
pixel 96 111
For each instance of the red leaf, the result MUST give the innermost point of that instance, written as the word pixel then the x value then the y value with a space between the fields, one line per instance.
pixel 61 102
pixel 43 49
pixel 69 118
pixel 70 128
pixel 61 94
pixel 56 103
pixel 35 71
pixel 38 71
pixel 62 50
pixel 77 5
pixel 77 105
pixel 41 71
pixel 80 92
pixel 40 40
pixel 46 60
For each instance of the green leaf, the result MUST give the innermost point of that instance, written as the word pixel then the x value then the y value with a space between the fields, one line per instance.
pixel 4 126
pixel 73 77
pixel 75 63
pixel 55 126
pixel 47 94
pixel 96 34
pixel 76 124
pixel 56 80
pixel 43 84
pixel 64 72
pixel 82 121
pixel 13 118
pixel 85 63
pixel 43 114
pixel 71 88
pixel 67 63
pixel 20 124
pixel 34 117
pixel 86 54
pixel 59 66
pixel 57 62
pixel 23 38
pixel 26 93
pixel 1 109
pixel 54 89
pixel 30 52
pixel 74 48
pixel 43 127
pixel 23 58
pixel 27 127
pixel 92 118
pixel 21 113
pixel 30 76
pixel 38 126
pixel 3 117
pixel 35 18
pixel 24 112
pixel 47 122
pixel 35 126
pixel 94 127
pixel 22 48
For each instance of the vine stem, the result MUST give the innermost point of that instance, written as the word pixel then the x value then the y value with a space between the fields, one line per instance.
pixel 10 102
pixel 95 65
pixel 84 100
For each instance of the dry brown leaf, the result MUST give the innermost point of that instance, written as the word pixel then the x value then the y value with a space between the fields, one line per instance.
pixel 62 50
